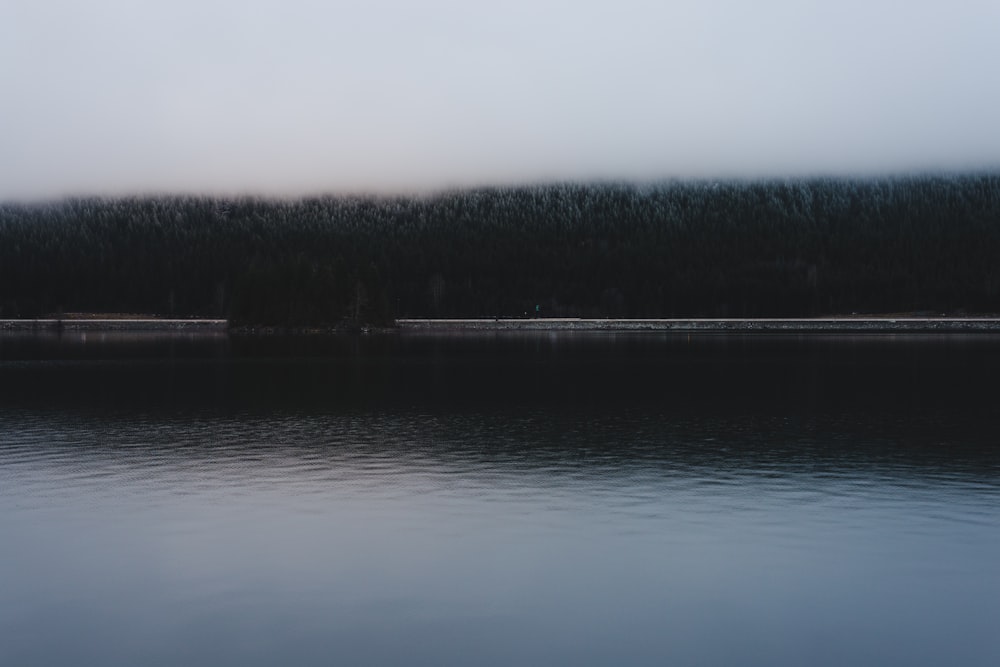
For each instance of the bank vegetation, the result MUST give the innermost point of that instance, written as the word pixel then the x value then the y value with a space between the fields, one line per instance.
pixel 686 249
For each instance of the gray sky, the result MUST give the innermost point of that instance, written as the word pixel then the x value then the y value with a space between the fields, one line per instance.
pixel 303 96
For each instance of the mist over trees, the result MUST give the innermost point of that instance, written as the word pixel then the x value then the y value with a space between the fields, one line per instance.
pixel 790 248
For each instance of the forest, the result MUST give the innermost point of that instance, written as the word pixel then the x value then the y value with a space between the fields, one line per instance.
pixel 823 246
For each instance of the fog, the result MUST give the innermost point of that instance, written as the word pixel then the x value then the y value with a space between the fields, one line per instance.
pixel 302 96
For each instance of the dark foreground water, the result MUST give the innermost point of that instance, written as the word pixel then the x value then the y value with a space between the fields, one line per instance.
pixel 529 499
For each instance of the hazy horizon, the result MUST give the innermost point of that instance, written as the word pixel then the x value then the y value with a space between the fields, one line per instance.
pixel 300 98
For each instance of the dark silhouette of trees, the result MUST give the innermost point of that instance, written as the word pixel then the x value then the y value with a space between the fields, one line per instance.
pixel 776 248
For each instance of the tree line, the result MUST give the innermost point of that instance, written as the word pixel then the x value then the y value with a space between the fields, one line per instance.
pixel 770 248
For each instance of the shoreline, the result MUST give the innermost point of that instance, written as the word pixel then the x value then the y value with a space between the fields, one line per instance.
pixel 852 324
pixel 116 324
pixel 716 325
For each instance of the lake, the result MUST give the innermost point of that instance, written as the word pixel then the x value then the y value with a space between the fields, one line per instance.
pixel 527 498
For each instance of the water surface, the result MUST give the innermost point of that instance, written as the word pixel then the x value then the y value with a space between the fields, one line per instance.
pixel 499 499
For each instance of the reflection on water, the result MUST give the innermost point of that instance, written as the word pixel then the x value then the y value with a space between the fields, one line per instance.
pixel 520 499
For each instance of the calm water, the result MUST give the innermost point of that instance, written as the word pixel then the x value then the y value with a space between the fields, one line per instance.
pixel 499 500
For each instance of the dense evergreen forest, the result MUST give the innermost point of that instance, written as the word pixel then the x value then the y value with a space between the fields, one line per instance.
pixel 788 248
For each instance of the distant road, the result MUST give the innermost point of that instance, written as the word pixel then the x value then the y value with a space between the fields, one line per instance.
pixel 801 325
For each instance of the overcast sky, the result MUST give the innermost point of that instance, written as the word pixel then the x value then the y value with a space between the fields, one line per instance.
pixel 303 96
